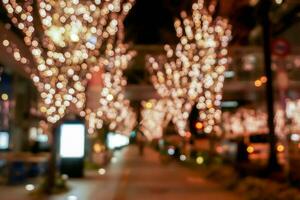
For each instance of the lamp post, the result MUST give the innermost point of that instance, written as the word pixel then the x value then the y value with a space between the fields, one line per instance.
pixel 265 7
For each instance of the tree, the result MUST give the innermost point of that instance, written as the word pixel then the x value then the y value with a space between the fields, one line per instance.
pixel 113 108
pixel 193 72
pixel 67 41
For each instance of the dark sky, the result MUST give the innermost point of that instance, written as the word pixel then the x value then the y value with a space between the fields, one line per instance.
pixel 151 22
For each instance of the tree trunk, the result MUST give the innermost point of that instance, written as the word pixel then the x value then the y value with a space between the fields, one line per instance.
pixel 51 175
pixel 212 147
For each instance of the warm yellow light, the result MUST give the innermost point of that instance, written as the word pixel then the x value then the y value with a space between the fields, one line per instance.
pixel 253 2
pixel 280 148
pixel 4 97
pixel 43 109
pixel 5 43
pixel 250 149
pixel 258 83
pixel 199 125
pixel 97 148
pixel 263 79
pixel 148 105
pixel 200 160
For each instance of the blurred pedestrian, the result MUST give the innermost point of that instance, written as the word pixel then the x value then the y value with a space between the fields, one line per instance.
pixel 242 154
pixel 140 139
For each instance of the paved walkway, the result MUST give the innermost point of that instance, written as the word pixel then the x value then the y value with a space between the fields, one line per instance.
pixel 133 177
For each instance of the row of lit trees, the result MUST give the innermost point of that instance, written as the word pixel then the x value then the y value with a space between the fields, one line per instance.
pixel 69 40
pixel 192 73
pixel 247 121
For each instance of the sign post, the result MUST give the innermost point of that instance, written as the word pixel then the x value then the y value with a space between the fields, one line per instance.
pixel 72 148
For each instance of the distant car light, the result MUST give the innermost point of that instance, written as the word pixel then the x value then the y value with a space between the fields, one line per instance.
pixel 72 197
pixel 250 149
pixel 29 187
pixel 295 137
pixel 200 160
pixel 199 125
pixel 182 157
pixel 171 151
pixel 97 148
pixel 280 148
pixel 101 171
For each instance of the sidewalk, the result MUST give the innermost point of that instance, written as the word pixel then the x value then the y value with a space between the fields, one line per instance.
pixel 146 178
pixel 133 177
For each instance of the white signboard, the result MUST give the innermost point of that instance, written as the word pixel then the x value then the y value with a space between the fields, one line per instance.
pixel 4 140
pixel 72 141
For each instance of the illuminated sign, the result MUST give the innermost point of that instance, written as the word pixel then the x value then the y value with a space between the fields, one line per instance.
pixel 4 140
pixel 72 140
pixel 117 140
pixel 229 104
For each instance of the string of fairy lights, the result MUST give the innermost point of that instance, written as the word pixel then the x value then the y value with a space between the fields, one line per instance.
pixel 67 44
pixel 193 72
pixel 113 108
pixel 292 113
pixel 155 117
pixel 247 121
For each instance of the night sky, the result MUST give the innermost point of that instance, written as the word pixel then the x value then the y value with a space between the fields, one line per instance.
pixel 150 22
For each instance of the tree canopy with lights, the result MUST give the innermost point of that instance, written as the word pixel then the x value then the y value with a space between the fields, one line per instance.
pixel 67 40
pixel 192 73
